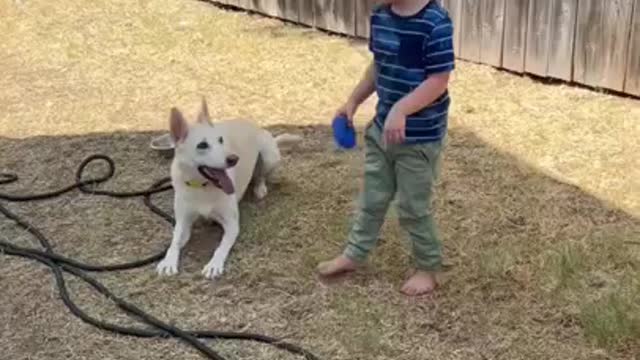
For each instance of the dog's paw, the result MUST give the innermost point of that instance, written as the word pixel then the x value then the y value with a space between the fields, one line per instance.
pixel 213 270
pixel 260 191
pixel 167 267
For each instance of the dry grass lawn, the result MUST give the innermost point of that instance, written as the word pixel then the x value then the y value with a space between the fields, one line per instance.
pixel 539 204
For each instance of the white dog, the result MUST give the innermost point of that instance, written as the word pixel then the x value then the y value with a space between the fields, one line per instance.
pixel 212 167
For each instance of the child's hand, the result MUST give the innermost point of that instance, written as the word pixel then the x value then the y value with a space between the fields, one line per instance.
pixel 348 109
pixel 394 126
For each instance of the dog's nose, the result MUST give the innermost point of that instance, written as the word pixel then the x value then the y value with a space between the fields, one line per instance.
pixel 232 160
pixel 202 145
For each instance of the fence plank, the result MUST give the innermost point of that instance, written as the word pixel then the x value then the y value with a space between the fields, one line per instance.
pixel 538 33
pixel 305 12
pixel 245 4
pixel 363 14
pixel 268 7
pixel 632 82
pixel 515 34
pixel 563 19
pixel 471 36
pixel 336 15
pixel 290 9
pixel 454 8
pixel 602 42
pixel 492 31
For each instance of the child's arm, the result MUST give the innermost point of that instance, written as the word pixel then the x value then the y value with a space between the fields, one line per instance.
pixel 423 95
pixel 419 98
pixel 365 87
pixel 360 93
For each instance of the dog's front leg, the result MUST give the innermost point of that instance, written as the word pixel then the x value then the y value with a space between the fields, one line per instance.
pixel 181 234
pixel 231 227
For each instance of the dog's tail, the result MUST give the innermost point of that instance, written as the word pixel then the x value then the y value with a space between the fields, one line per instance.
pixel 287 139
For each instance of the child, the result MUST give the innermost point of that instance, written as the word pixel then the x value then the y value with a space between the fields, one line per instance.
pixel 412 44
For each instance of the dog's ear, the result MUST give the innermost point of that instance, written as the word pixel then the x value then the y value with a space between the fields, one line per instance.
pixel 178 126
pixel 203 116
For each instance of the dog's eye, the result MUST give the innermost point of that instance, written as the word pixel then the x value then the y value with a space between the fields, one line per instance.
pixel 202 145
pixel 220 140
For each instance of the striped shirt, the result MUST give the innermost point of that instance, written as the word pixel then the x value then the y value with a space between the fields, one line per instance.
pixel 407 50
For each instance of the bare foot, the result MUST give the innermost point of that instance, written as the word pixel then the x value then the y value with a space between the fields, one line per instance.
pixel 421 283
pixel 337 266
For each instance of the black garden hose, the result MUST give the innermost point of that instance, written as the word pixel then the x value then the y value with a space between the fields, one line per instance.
pixel 60 264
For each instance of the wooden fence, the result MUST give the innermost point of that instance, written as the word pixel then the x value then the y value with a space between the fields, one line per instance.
pixel 591 42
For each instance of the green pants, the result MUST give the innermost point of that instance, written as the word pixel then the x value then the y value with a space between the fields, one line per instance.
pixel 405 171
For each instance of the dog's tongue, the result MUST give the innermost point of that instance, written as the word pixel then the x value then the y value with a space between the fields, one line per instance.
pixel 218 177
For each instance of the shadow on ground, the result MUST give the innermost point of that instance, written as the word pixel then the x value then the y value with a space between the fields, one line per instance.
pixel 503 224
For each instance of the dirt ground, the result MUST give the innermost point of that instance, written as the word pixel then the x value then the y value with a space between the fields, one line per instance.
pixel 539 203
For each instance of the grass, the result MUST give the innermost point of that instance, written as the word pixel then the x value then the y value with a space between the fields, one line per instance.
pixel 538 203
pixel 613 320
pixel 568 264
pixel 597 286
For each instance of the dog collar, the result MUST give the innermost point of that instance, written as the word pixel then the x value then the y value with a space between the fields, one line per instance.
pixel 196 183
